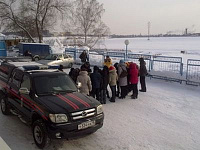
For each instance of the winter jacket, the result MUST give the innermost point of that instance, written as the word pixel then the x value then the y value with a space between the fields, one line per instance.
pixel 105 77
pixel 85 81
pixel 83 57
pixel 107 62
pixel 143 69
pixel 122 81
pixel 96 79
pixel 133 71
pixel 113 77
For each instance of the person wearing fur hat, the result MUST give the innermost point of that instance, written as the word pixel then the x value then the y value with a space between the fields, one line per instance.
pixel 113 82
pixel 142 73
pixel 122 73
pixel 85 81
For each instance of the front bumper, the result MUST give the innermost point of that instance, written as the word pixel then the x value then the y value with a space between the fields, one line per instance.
pixel 70 130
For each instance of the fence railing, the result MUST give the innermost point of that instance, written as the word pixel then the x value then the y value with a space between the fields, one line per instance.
pixel 193 72
pixel 162 67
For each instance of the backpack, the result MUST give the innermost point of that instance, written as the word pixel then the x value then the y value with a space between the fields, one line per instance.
pixel 123 74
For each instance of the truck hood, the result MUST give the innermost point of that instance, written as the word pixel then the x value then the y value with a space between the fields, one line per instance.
pixel 67 103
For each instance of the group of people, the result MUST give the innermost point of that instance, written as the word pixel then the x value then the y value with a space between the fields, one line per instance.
pixel 121 77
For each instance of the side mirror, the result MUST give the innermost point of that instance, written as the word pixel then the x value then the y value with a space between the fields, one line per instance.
pixel 79 85
pixel 24 91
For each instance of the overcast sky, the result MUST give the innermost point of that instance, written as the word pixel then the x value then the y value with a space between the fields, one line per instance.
pixel 132 16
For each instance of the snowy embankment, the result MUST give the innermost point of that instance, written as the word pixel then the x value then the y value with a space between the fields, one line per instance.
pixel 166 117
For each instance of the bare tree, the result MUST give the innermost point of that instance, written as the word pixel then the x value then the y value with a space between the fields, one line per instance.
pixel 31 17
pixel 85 18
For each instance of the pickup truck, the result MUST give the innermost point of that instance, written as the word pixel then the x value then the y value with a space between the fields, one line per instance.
pixel 49 101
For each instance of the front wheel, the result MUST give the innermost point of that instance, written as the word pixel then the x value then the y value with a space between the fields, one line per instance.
pixel 40 134
pixel 4 106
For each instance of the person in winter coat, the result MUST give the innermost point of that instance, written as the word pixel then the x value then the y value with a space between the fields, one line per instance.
pixel 96 83
pixel 107 62
pixel 83 56
pixel 133 80
pixel 142 73
pixel 122 79
pixel 86 66
pixel 104 85
pixel 85 81
pixel 112 82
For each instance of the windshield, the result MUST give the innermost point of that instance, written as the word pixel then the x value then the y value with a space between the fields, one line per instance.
pixel 54 84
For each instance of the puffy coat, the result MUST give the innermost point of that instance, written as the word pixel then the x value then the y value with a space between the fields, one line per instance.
pixel 133 71
pixel 122 81
pixel 85 81
pixel 113 77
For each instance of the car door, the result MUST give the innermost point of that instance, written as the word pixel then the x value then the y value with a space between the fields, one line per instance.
pixel 27 98
pixel 14 85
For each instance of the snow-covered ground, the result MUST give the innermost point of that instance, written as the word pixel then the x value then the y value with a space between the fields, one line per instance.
pixel 166 117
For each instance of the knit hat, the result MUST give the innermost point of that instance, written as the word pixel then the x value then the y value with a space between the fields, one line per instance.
pixel 111 68
pixel 121 61
pixel 141 59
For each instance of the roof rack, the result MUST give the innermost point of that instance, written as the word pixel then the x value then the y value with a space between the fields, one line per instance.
pixel 28 66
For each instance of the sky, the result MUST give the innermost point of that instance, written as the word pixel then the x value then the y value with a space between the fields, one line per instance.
pixel 165 16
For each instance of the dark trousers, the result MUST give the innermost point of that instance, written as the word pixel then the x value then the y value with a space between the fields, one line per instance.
pixel 96 93
pixel 134 88
pixel 143 83
pixel 118 89
pixel 113 90
pixel 103 96
pixel 123 91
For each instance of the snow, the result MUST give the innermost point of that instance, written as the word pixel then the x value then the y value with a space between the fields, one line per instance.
pixel 166 117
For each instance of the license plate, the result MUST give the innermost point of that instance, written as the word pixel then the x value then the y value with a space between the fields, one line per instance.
pixel 86 125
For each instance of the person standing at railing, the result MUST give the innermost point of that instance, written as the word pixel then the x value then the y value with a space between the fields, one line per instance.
pixel 84 56
pixel 142 73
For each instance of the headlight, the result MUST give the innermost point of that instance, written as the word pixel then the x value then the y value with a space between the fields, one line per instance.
pixel 58 118
pixel 99 109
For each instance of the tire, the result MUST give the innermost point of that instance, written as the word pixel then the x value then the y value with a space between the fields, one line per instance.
pixel 40 134
pixel 5 109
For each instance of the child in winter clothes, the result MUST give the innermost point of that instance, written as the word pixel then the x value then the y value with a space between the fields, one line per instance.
pixel 85 81
pixel 112 82
pixel 133 80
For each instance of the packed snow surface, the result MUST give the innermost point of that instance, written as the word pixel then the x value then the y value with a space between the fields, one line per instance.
pixel 166 117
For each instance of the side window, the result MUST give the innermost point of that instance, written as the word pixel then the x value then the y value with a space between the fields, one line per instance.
pixel 16 79
pixel 4 70
pixel 66 56
pixel 26 83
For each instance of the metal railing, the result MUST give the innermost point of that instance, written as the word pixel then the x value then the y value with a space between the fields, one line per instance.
pixel 162 67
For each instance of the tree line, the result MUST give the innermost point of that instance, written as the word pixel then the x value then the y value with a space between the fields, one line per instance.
pixel 30 18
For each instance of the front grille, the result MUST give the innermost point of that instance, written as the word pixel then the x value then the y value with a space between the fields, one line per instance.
pixel 83 114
